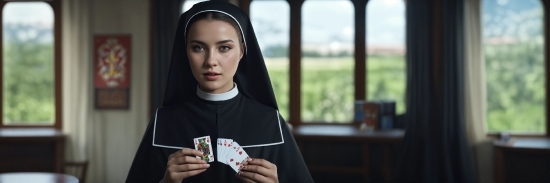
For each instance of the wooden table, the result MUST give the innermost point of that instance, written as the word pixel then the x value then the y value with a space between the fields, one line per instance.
pixel 522 160
pixel 36 177
pixel 31 150
pixel 345 151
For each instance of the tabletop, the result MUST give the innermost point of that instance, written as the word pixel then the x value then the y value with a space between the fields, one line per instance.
pixel 36 177
pixel 346 132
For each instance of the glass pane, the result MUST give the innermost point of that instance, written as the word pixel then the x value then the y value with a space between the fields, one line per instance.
pixel 28 79
pixel 386 69
pixel 272 33
pixel 187 4
pixel 327 61
pixel 513 45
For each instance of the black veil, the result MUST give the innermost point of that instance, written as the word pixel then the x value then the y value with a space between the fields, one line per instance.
pixel 251 76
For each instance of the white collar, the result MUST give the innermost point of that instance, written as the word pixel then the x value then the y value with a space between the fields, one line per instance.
pixel 218 97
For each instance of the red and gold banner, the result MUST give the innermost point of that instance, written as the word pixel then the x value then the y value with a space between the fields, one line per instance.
pixel 112 61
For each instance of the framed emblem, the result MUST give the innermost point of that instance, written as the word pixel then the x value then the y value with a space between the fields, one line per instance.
pixel 112 61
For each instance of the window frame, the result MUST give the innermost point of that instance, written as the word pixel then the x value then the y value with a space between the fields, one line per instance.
pixel 295 48
pixel 57 123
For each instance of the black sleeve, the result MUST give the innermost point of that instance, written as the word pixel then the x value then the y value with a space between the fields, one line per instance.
pixel 149 163
pixel 290 164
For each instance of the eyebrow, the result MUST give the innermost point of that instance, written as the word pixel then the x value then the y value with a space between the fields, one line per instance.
pixel 219 42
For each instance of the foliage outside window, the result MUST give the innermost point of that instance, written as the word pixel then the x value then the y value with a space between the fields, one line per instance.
pixel 513 45
pixel 327 91
pixel 386 65
pixel 28 64
pixel 272 33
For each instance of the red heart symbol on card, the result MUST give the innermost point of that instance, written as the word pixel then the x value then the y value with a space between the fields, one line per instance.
pixel 231 160
pixel 237 163
pixel 207 140
pixel 240 152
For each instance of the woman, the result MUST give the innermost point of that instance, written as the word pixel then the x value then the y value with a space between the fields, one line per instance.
pixel 217 86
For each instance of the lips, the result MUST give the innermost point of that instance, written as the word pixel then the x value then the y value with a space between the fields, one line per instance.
pixel 211 76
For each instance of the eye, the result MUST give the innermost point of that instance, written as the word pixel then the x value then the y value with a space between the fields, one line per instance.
pixel 197 48
pixel 224 48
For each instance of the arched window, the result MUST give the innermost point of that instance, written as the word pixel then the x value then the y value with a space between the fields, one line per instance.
pixel 327 85
pixel 272 33
pixel 513 45
pixel 29 63
pixel 386 64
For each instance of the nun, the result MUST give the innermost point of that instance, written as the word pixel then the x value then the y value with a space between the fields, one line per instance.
pixel 217 86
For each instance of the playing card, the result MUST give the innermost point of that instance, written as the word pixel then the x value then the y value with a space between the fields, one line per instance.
pixel 225 145
pixel 204 145
pixel 237 156
pixel 219 146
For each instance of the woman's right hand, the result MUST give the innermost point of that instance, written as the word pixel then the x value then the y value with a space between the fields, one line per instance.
pixel 183 164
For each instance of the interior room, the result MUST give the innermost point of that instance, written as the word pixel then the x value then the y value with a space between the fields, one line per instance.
pixel 371 90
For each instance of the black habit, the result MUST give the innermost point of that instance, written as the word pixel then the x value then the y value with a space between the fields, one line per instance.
pixel 248 114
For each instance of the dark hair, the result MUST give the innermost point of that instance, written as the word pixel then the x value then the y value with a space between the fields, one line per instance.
pixel 216 16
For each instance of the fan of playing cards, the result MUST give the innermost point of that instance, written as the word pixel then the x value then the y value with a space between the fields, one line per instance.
pixel 229 152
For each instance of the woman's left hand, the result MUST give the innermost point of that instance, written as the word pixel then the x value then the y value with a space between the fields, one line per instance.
pixel 258 170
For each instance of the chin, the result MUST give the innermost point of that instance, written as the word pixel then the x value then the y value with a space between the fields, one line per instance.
pixel 209 86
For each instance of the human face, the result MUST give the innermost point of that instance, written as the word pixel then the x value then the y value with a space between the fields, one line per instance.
pixel 214 52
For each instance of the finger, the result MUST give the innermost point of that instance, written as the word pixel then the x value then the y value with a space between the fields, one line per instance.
pixel 254 176
pixel 259 169
pixel 191 152
pixel 190 167
pixel 185 160
pixel 262 162
pixel 192 173
pixel 244 179
pixel 189 160
pixel 183 152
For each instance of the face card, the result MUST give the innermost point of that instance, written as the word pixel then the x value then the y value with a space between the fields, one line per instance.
pixel 226 143
pixel 204 145
pixel 237 156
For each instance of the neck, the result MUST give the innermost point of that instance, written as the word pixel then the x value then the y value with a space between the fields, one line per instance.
pixel 218 97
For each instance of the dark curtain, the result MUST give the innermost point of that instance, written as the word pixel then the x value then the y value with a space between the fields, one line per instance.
pixel 165 16
pixel 434 146
pixel 457 156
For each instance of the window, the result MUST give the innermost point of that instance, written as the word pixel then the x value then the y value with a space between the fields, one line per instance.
pixel 187 4
pixel 513 45
pixel 272 33
pixel 327 85
pixel 386 71
pixel 30 58
pixel 327 53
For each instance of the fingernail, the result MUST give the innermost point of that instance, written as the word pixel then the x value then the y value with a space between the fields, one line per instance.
pixel 207 165
pixel 249 159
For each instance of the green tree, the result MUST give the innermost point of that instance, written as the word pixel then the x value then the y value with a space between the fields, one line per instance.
pixel 28 75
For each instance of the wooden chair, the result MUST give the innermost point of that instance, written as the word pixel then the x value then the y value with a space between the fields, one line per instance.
pixel 76 168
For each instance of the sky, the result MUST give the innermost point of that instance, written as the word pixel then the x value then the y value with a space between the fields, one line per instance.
pixel 18 12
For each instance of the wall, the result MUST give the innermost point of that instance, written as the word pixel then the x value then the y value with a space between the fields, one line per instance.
pixel 119 132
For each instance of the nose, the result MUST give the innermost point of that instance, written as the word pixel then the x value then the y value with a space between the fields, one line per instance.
pixel 211 60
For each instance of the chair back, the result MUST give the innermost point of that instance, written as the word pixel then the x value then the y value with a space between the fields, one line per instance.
pixel 76 168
